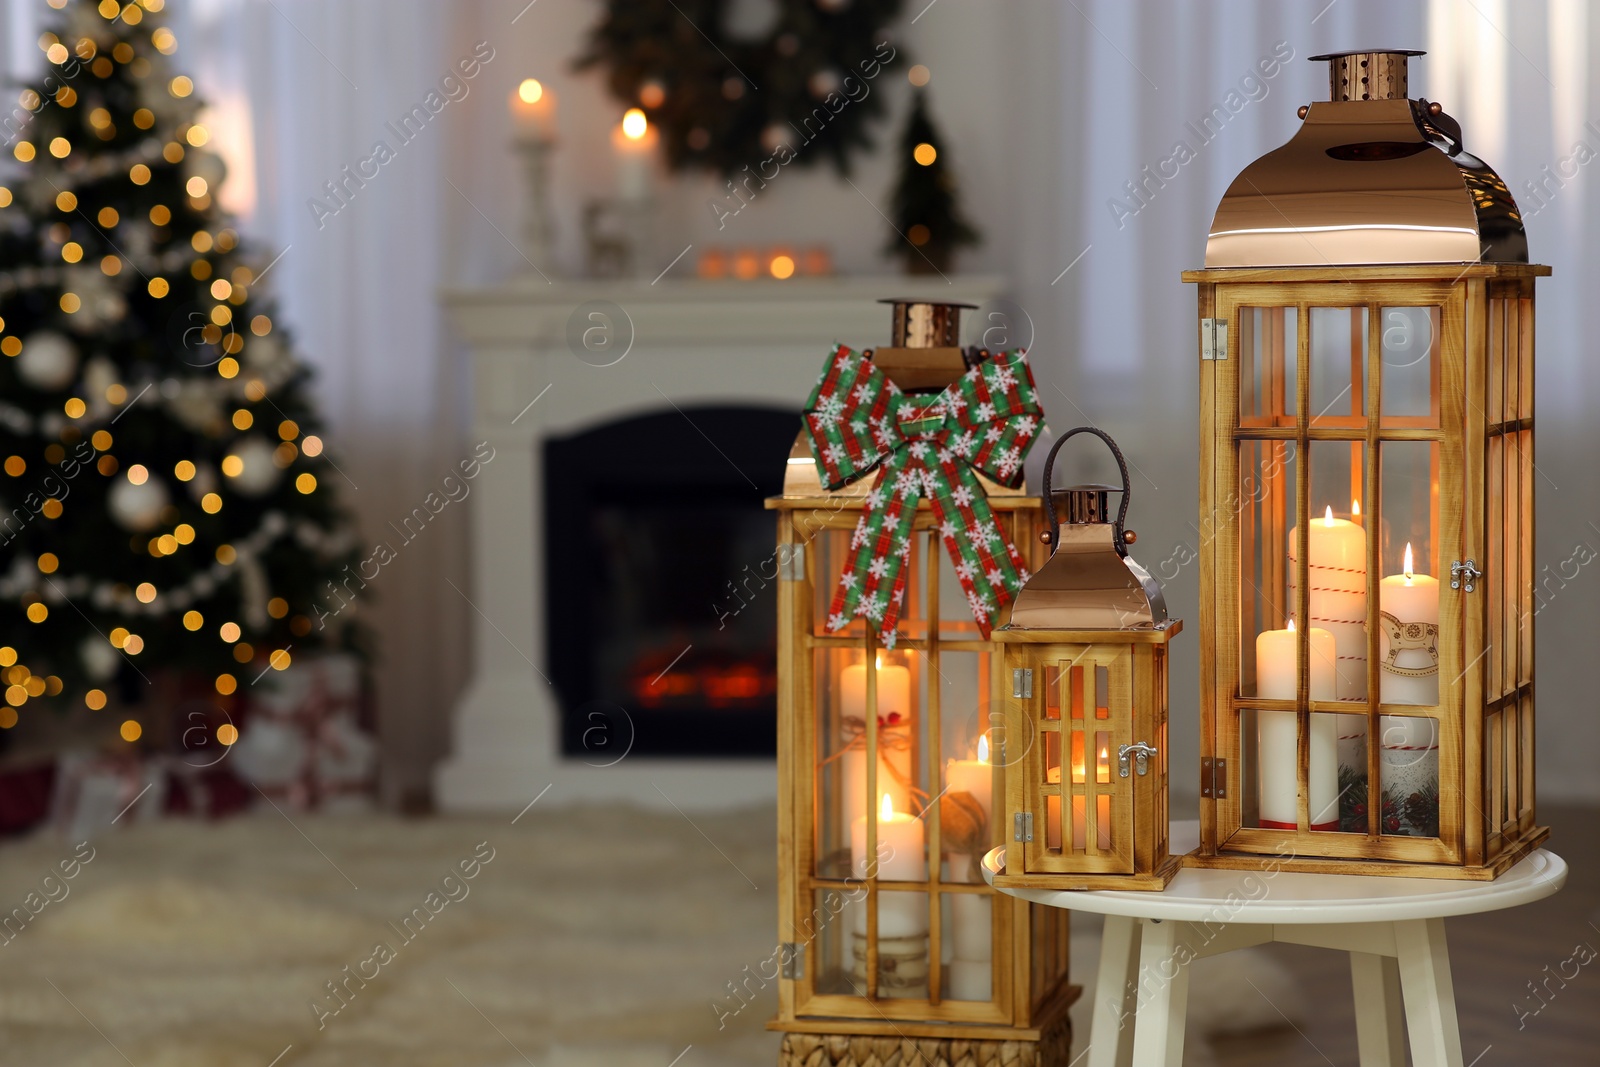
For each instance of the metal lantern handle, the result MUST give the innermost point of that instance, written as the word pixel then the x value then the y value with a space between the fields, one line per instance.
pixel 1049 498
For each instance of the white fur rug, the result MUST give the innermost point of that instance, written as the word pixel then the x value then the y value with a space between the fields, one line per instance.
pixel 596 937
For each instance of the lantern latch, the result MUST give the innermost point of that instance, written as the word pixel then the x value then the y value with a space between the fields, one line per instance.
pixel 1467 572
pixel 1213 777
pixel 1022 826
pixel 1022 682
pixel 1141 753
pixel 791 563
pixel 792 960
pixel 1213 338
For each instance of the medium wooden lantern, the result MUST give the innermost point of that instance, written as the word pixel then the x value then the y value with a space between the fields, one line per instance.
pixel 1086 725
pixel 883 752
pixel 1366 499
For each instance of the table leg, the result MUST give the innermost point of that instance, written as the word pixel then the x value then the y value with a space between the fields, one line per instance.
pixel 1164 957
pixel 1430 995
pixel 1116 998
pixel 1377 987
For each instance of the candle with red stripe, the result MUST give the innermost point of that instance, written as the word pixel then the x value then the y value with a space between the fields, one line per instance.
pixel 1337 593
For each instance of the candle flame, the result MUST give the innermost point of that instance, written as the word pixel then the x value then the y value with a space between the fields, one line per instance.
pixel 1408 562
pixel 887 809
pixel 1102 753
pixel 530 90
pixel 1291 625
pixel 1355 508
pixel 1327 517
pixel 983 749
pixel 634 124
pixel 878 661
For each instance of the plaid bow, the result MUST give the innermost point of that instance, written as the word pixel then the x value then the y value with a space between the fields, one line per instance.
pixel 935 446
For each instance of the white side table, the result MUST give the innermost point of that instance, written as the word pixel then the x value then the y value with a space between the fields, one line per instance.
pixel 1393 929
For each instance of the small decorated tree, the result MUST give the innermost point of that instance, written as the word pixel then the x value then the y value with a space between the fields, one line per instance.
pixel 167 501
pixel 928 223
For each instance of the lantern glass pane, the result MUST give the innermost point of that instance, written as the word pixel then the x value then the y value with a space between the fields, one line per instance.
pixel 1338 375
pixel 1336 567
pixel 1268 347
pixel 1052 692
pixel 1409 512
pixel 827 934
pixel 829 548
pixel 1493 582
pixel 1524 341
pixel 1052 823
pixel 1517 528
pixel 902 945
pixel 1410 367
pixel 969 761
pixel 955 617
pixel 1408 768
pixel 1052 755
pixel 1264 504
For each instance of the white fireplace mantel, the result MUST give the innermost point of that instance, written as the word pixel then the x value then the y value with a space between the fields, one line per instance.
pixel 692 343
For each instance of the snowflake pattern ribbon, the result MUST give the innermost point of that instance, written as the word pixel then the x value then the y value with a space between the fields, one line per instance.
pixel 933 446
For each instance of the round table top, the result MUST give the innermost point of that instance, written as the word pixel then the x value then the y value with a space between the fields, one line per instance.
pixel 1267 896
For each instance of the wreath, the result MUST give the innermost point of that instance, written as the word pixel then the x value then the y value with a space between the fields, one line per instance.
pixel 724 103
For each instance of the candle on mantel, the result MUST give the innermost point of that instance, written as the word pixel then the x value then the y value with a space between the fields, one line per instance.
pixel 533 107
pixel 635 142
pixel 894 735
pixel 902 857
pixel 1278 678
pixel 1337 594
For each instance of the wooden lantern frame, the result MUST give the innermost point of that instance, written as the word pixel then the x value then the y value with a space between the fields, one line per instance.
pixel 1030 992
pixel 1055 711
pixel 1481 429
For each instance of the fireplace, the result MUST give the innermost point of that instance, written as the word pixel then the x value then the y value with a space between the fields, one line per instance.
pixel 660 614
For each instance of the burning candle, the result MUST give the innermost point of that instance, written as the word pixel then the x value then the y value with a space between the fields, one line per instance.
pixel 894 735
pixel 635 142
pixel 1337 594
pixel 1278 678
pixel 901 857
pixel 533 108
pixel 975 776
pixel 1410 598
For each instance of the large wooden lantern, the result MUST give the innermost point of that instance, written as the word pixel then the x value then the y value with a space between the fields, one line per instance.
pixel 888 789
pixel 1366 487
pixel 1086 725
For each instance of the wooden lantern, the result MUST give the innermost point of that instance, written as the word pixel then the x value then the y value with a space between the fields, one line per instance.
pixel 883 753
pixel 1086 725
pixel 1366 499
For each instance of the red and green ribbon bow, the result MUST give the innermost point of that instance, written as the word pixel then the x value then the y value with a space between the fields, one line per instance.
pixel 933 446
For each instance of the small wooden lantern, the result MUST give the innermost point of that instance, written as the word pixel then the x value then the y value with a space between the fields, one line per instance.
pixel 884 753
pixel 1366 499
pixel 1086 725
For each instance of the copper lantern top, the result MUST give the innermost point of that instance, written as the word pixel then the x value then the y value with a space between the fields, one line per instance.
pixel 1371 177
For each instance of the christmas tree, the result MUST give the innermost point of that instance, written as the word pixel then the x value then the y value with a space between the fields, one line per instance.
pixel 167 502
pixel 928 223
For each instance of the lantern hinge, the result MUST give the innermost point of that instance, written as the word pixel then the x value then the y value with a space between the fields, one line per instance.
pixel 1022 682
pixel 1464 572
pixel 1022 826
pixel 792 960
pixel 1213 338
pixel 1213 777
pixel 791 562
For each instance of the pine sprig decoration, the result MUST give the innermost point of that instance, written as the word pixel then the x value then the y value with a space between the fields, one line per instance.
pixel 724 103
pixel 167 501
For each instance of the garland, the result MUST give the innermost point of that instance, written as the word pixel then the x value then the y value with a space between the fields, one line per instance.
pixel 724 103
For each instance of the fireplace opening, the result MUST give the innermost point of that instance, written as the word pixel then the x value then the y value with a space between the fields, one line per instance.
pixel 660 575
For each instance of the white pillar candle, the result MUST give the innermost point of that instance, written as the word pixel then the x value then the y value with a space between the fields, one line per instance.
pixel 975 776
pixel 902 857
pixel 969 979
pixel 533 110
pixel 1410 598
pixel 1337 595
pixel 634 141
pixel 1277 678
pixel 894 736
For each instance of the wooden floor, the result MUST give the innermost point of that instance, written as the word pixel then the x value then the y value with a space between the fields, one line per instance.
pixel 1493 958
